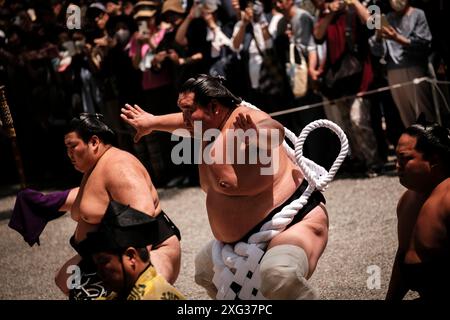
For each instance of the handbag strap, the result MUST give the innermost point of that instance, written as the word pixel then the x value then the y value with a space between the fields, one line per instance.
pixel 247 43
pixel 292 52
pixel 292 48
pixel 256 42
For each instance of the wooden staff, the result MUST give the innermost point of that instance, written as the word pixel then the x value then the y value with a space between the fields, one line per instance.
pixel 8 124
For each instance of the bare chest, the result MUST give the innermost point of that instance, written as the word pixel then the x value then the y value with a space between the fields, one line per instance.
pixel 92 200
pixel 429 234
pixel 228 169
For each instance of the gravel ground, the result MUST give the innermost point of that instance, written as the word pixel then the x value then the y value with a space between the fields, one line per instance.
pixel 362 238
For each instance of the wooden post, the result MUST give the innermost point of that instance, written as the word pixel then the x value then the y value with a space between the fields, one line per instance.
pixel 8 124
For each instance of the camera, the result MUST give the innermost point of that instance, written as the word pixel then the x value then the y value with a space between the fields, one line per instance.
pixel 198 9
pixel 257 8
pixel 143 27
pixel 256 5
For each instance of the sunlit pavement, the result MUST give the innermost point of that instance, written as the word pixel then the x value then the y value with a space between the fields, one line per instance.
pixel 355 265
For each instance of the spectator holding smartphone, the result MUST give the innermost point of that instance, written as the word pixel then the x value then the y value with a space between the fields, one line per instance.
pixel 404 41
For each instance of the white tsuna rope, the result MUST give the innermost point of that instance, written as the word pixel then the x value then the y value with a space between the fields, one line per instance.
pixel 238 267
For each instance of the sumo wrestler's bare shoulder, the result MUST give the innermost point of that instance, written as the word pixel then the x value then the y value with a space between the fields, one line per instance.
pixel 442 197
pixel 257 115
pixel 260 119
pixel 409 201
pixel 119 165
pixel 126 180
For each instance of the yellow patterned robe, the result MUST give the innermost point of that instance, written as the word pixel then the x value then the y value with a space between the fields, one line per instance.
pixel 151 286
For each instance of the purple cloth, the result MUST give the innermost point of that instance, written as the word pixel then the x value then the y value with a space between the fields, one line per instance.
pixel 33 210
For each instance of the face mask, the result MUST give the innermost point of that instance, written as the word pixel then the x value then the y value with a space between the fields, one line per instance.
pixel 257 10
pixel 79 45
pixel 122 36
pixel 398 5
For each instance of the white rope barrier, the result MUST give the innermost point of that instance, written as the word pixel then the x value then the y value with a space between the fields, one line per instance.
pixel 236 269
pixel 363 94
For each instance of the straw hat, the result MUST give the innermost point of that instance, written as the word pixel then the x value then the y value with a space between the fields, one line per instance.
pixel 145 9
pixel 172 5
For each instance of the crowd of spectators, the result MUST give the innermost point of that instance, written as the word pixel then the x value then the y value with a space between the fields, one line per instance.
pixel 59 58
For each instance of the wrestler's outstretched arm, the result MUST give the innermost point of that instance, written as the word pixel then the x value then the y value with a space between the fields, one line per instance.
pixel 67 206
pixel 145 122
pixel 397 286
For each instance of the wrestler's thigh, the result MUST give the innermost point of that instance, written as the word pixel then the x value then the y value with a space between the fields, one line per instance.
pixel 62 275
pixel 311 234
pixel 166 258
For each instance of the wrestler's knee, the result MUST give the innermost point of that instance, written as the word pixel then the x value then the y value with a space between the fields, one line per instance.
pixel 204 271
pixel 283 270
pixel 61 280
pixel 64 273
pixel 166 259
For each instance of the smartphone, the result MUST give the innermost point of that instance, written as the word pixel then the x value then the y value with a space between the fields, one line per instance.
pixel 143 27
pixel 198 9
pixel 384 21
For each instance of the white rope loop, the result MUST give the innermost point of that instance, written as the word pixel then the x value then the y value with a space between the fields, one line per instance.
pixel 320 180
pixel 317 177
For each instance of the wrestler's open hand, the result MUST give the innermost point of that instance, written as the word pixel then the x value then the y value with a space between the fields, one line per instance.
pixel 245 123
pixel 139 119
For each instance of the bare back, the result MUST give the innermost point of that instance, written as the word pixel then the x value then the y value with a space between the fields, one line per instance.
pixel 118 175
